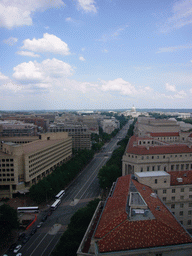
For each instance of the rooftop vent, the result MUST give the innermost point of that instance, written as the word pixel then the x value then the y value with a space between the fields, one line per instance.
pixel 144 188
pixel 185 174
pixel 154 195
pixel 179 179
pixel 158 208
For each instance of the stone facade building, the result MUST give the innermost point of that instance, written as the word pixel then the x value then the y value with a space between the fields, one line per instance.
pixel 22 165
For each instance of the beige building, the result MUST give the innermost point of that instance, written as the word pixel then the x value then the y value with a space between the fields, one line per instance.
pixel 22 165
pixel 81 137
pixel 174 189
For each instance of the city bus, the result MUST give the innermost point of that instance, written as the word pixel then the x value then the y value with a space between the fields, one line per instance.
pixel 60 194
pixel 34 209
pixel 55 204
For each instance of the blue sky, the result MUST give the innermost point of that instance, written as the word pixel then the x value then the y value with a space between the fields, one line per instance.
pixel 90 54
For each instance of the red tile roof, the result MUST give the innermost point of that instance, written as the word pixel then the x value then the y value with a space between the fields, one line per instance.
pixel 156 149
pixel 116 232
pixel 185 175
pixel 164 134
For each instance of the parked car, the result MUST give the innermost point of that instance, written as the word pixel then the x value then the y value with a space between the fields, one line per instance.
pixel 19 254
pixel 17 248
pixel 25 239
pixel 33 231
pixel 44 218
pixel 21 236
pixel 40 224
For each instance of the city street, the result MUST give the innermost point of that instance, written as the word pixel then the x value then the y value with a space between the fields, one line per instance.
pixel 82 190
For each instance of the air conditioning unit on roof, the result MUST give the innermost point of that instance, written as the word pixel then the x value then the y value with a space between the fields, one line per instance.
pixel 179 179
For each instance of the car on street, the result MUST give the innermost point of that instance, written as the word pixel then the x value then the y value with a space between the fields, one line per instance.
pixel 19 254
pixel 25 240
pixel 21 236
pixel 17 248
pixel 33 231
pixel 40 224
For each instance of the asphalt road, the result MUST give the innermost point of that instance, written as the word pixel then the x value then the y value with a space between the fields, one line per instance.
pixel 83 189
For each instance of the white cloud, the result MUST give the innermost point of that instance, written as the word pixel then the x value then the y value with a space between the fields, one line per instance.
pixel 12 87
pixel 122 86
pixel 10 41
pixel 170 87
pixel 174 48
pixel 3 77
pixel 18 13
pixel 114 35
pixel 49 43
pixel 87 5
pixel 105 51
pixel 29 54
pixel 34 72
pixel 81 58
pixel 190 90
pixel 180 95
pixel 181 16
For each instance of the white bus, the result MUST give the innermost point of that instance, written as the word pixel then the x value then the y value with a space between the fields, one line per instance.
pixel 60 194
pixel 28 209
pixel 55 204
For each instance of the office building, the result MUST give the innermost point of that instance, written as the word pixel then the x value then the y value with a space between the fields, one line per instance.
pixel 22 165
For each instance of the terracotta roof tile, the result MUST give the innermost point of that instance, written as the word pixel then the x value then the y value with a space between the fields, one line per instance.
pixel 164 134
pixel 157 149
pixel 185 175
pixel 116 232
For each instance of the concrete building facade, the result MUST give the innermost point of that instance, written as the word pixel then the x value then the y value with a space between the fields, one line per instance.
pixel 22 165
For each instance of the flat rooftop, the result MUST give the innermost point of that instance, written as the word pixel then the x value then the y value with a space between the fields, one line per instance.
pixel 151 174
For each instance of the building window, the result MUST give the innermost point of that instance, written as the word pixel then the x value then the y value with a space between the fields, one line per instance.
pixel 141 169
pixel 172 167
pixel 158 167
pixel 181 213
pixel 189 212
pixel 177 167
pixel 148 168
pixel 190 196
pixel 187 166
pixel 181 222
pixel 189 222
pixel 164 199
pixel 163 156
pixel 172 206
pixel 182 189
pixel 164 191
pixel 173 190
pixel 165 181
pixel 153 168
pixel 190 204
pixel 182 166
pixel 155 181
pixel 190 189
pixel 173 198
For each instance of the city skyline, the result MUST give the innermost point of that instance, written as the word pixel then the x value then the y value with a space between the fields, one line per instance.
pixel 93 54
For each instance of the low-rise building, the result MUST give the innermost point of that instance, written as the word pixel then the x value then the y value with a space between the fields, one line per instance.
pixel 174 189
pixel 134 221
pixel 22 165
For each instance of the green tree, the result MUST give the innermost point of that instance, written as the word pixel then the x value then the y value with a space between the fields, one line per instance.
pixel 8 222
pixel 108 174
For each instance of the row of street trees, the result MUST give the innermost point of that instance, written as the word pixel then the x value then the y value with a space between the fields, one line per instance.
pixel 60 177
pixel 113 168
pixel 72 237
pixel 8 222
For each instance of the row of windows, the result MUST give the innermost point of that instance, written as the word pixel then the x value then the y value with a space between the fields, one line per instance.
pixel 173 198
pixel 189 222
pixel 52 151
pixel 7 170
pixel 6 160
pixel 181 206
pixel 7 174
pixel 7 165
pixel 158 156
pixel 49 164
pixel 173 190
pixel 41 162
pixel 12 179
pixel 47 150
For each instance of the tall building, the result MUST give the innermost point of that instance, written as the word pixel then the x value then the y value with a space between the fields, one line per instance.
pixel 22 165
pixel 81 137
pixel 134 221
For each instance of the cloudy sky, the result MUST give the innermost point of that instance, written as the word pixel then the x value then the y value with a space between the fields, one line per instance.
pixel 90 54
